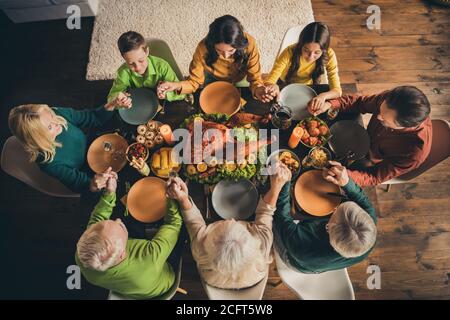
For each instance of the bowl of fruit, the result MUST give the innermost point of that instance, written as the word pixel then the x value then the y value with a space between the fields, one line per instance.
pixel 137 150
pixel 315 132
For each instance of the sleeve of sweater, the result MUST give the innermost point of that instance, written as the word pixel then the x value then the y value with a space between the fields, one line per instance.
pixel 87 118
pixel 103 209
pixel 72 178
pixel 357 195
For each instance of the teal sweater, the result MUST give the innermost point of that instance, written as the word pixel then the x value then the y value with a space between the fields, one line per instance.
pixel 308 243
pixel 71 157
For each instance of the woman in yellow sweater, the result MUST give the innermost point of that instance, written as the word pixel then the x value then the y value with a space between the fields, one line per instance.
pixel 306 62
pixel 226 54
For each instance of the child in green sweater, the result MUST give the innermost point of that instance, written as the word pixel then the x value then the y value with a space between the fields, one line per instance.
pixel 134 268
pixel 139 70
pixel 55 141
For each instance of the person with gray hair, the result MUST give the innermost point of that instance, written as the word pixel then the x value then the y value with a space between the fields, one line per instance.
pixel 231 254
pixel 135 268
pixel 328 243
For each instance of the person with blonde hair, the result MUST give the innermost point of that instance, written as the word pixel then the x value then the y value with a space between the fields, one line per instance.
pixel 55 141
pixel 231 254
pixel 135 268
pixel 328 243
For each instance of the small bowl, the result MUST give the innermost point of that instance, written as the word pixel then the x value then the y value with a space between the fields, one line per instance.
pixel 133 145
pixel 280 151
pixel 327 152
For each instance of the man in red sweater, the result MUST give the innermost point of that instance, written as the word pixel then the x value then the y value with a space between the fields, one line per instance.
pixel 400 131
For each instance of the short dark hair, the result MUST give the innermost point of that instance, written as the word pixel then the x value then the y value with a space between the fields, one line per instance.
pixel 129 41
pixel 411 104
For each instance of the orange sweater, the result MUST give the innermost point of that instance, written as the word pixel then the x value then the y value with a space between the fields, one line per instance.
pixel 224 69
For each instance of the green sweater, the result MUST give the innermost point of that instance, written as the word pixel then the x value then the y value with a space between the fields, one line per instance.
pixel 144 273
pixel 157 70
pixel 71 157
pixel 308 243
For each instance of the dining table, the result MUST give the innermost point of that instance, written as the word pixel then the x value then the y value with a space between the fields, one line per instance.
pixel 174 114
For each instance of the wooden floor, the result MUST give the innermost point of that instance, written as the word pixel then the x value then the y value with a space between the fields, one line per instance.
pixel 44 62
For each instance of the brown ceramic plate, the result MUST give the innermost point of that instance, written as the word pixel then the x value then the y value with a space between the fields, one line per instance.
pixel 106 151
pixel 310 193
pixel 220 97
pixel 147 200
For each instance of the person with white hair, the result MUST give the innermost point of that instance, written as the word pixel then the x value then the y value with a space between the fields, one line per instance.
pixel 328 243
pixel 231 254
pixel 135 268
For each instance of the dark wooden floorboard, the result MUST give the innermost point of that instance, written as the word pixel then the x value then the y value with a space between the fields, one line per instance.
pixel 46 63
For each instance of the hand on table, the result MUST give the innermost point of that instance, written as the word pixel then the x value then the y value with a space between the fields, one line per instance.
pixel 318 105
pixel 165 86
pixel 336 174
pixel 141 166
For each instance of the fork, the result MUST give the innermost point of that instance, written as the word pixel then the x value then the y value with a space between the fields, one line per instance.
pixel 206 191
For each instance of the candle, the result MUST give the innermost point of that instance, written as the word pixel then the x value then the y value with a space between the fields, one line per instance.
pixel 166 133
pixel 296 135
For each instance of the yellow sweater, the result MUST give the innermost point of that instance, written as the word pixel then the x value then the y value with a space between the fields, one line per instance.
pixel 304 73
pixel 224 69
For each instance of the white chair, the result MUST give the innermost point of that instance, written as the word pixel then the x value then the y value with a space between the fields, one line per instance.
pixel 290 37
pixel 165 296
pixel 255 292
pixel 440 150
pixel 15 162
pixel 330 285
pixel 161 49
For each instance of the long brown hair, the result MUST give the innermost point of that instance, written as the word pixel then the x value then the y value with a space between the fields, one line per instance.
pixel 227 29
pixel 317 32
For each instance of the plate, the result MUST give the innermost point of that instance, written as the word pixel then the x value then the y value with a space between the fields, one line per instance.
pixel 296 96
pixel 108 150
pixel 220 97
pixel 310 192
pixel 235 200
pixel 147 200
pixel 346 136
pixel 144 106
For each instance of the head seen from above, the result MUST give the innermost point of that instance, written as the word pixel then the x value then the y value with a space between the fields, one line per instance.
pixel 134 51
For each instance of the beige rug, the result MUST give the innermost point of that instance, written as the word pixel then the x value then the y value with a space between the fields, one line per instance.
pixel 183 23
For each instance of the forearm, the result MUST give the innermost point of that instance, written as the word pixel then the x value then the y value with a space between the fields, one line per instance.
pixel 192 217
pixel 104 208
pixel 357 195
pixel 331 94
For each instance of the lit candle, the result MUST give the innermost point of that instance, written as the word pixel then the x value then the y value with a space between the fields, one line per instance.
pixel 296 135
pixel 166 133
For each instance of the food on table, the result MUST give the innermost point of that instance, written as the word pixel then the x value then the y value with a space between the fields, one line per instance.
pixel 150 135
pixel 251 158
pixel 137 150
pixel 159 139
pixel 318 157
pixel 243 164
pixel 290 160
pixel 163 162
pixel 142 129
pixel 212 162
pixel 190 169
pixel 230 166
pixel 315 132
pixel 152 125
pixel 295 137
pixel 140 139
pixel 149 144
pixel 202 167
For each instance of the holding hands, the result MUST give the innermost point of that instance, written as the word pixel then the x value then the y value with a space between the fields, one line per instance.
pixel 336 174
pixel 165 86
pixel 177 189
pixel 107 179
pixel 318 105
pixel 123 100
pixel 267 93
pixel 141 166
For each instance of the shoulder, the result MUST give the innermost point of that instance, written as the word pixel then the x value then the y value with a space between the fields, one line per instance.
pixel 158 63
pixel 123 70
pixel 251 42
pixel 331 54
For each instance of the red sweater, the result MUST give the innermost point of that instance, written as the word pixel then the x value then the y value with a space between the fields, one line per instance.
pixel 394 152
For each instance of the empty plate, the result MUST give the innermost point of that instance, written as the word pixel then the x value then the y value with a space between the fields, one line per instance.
pixel 296 96
pixel 144 106
pixel 220 97
pixel 237 200
pixel 147 200
pixel 348 137
pixel 106 151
